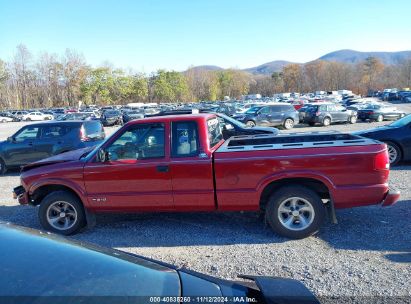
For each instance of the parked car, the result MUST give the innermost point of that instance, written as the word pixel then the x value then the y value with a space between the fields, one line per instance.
pixel 5 118
pixel 36 116
pixel 41 140
pixel 19 114
pixel 327 114
pixel 111 118
pixel 281 114
pixel 182 163
pixel 230 126
pixel 132 114
pixel 78 272
pixel 397 136
pixel 378 112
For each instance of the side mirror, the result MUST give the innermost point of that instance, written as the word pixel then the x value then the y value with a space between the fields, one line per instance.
pixel 102 156
pixel 11 139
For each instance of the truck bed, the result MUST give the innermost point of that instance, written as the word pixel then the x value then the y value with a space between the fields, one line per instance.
pixel 344 163
pixel 293 141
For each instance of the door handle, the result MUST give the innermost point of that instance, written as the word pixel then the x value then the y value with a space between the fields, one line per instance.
pixel 162 168
pixel 30 143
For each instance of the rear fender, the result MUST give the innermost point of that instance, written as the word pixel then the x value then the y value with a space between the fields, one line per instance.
pixel 296 174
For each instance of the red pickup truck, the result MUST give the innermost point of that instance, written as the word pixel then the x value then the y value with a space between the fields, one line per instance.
pixel 182 163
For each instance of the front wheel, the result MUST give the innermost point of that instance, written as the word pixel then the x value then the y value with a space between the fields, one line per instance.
pixel 380 118
pixel 288 124
pixel 3 167
pixel 295 212
pixel 250 123
pixel 394 153
pixel 62 212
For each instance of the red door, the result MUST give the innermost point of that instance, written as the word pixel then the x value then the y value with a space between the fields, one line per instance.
pixel 191 170
pixel 136 176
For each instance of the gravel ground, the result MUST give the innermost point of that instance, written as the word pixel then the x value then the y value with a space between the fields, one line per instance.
pixel 366 255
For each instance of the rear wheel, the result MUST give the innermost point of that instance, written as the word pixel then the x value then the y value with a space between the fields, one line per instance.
pixel 288 123
pixel 28 119
pixel 3 120
pixel 353 119
pixel 62 212
pixel 380 118
pixel 295 212
pixel 326 121
pixel 250 123
pixel 394 153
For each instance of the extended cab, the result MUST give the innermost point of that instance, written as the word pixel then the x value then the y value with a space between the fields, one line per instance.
pixel 182 163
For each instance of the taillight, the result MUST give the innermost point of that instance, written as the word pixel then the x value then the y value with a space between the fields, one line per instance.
pixel 83 136
pixel 370 112
pixel 382 161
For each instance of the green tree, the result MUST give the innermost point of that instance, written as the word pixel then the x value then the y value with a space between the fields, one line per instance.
pixel 170 86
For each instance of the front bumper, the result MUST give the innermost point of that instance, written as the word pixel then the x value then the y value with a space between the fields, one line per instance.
pixel 391 198
pixel 21 195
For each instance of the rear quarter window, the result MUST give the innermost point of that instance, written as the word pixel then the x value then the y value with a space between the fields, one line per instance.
pixel 214 131
pixel 93 129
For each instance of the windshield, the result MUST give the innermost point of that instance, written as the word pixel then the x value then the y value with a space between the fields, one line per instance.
pixel 230 120
pixel 401 122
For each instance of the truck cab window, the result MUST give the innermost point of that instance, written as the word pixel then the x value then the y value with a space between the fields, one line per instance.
pixel 214 131
pixel 184 139
pixel 140 142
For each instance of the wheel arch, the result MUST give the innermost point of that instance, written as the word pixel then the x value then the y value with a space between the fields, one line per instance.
pixel 317 185
pixel 37 194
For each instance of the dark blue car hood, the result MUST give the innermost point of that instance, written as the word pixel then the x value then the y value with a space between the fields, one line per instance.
pixel 378 129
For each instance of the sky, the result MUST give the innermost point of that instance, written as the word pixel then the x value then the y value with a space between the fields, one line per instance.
pixel 147 35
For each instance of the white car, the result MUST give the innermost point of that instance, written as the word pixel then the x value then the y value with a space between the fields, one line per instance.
pixel 5 119
pixel 35 116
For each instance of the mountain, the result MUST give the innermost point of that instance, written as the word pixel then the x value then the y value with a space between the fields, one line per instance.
pixel 351 56
pixel 343 56
pixel 268 68
pixel 205 68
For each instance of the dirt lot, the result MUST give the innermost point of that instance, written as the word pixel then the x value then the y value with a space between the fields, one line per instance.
pixel 368 254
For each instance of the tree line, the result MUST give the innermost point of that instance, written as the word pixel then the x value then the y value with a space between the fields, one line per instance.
pixel 51 80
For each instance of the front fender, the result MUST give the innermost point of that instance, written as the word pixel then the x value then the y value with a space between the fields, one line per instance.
pixel 81 193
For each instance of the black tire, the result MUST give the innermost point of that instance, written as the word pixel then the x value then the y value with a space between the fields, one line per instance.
pixel 28 119
pixel 250 123
pixel 294 191
pixel 67 197
pixel 288 124
pixel 326 121
pixel 380 118
pixel 3 168
pixel 397 150
pixel 353 119
pixel 311 124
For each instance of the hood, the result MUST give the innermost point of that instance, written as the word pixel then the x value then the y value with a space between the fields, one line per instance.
pixel 59 158
pixel 271 130
pixel 378 129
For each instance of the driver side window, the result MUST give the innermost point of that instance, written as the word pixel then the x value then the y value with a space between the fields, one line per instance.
pixel 139 142
pixel 28 133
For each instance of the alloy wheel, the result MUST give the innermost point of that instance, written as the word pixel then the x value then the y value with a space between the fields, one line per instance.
pixel 61 215
pixel 296 213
